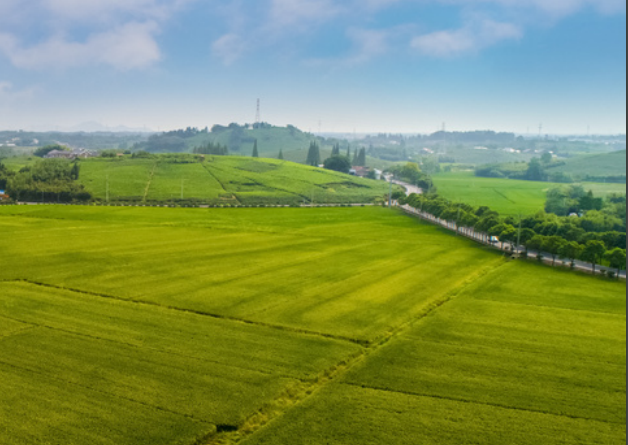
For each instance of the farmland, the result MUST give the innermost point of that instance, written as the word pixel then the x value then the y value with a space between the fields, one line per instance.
pixel 132 326
pixel 506 196
pixel 496 365
pixel 223 180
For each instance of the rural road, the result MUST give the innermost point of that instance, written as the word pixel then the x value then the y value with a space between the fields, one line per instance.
pixel 480 237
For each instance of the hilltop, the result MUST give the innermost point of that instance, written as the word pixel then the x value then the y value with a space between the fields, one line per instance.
pixel 221 180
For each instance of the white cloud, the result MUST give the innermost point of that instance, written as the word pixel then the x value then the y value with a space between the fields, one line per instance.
pixel 469 39
pixel 229 48
pixel 131 46
pixel 116 33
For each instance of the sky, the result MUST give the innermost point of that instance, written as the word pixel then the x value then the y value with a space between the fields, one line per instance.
pixel 366 66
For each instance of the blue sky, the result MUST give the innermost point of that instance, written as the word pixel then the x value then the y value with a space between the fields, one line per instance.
pixel 340 66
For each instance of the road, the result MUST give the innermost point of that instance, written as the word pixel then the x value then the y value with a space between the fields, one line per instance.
pixel 482 237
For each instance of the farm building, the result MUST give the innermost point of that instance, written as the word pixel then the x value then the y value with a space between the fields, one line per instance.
pixel 3 196
pixel 76 153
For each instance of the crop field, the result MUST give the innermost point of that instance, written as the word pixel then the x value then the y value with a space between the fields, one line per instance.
pixel 501 363
pixel 224 180
pixel 162 326
pixel 506 196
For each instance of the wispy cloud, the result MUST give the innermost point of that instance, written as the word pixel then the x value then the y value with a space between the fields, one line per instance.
pixel 120 33
pixel 131 46
pixel 473 37
pixel 229 48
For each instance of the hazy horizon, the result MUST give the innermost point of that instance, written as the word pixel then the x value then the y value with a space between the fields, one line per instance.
pixel 368 66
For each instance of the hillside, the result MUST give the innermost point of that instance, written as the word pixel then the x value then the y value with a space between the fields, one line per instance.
pixel 595 167
pixel 222 180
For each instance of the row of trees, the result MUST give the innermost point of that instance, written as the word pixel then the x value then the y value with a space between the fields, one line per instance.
pixel 51 180
pixel 411 173
pixel 212 148
pixel 559 237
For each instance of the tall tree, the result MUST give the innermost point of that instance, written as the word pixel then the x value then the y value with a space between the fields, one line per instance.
pixel 255 150
pixel 617 258
pixel 362 158
pixel 594 252
pixel 572 251
pixel 536 172
pixel 553 245
pixel 281 157
pixel 314 155
pixel 336 150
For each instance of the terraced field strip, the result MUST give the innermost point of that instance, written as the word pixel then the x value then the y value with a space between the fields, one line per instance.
pixel 125 179
pixel 183 181
pixel 488 368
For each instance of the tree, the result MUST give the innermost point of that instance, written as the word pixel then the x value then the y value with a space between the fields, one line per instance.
pixel 362 158
pixel 535 243
pixel 590 202
pixel 617 258
pixel 547 158
pixel 74 173
pixel 338 163
pixel 255 150
pixel 594 252
pixel 525 237
pixel 535 171
pixel 281 157
pixel 572 251
pixel 336 150
pixel 313 155
pixel 509 235
pixel 43 151
pixel 553 246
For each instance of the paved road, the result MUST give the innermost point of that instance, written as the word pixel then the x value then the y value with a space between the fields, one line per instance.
pixel 481 238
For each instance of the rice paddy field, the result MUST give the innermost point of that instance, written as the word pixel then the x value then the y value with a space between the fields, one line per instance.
pixel 223 181
pixel 161 326
pixel 507 196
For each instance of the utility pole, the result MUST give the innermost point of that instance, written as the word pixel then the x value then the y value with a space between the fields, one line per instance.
pixel 519 234
pixel 390 193
pixel 458 221
pixel 107 190
pixel 182 189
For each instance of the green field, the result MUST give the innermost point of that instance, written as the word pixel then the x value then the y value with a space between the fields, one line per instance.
pixel 506 196
pixel 501 363
pixel 163 326
pixel 600 165
pixel 224 180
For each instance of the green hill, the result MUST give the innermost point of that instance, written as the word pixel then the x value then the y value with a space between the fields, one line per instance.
pixel 611 166
pixel 226 180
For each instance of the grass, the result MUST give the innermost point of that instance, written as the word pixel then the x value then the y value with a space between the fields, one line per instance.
pixel 362 326
pixel 224 180
pixel 501 363
pixel 202 372
pixel 326 271
pixel 600 165
pixel 507 196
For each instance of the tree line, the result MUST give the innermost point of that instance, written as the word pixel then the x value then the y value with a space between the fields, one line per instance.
pixel 48 180
pixel 593 238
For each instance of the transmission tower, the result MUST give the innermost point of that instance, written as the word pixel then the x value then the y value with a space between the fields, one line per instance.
pixel 258 116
